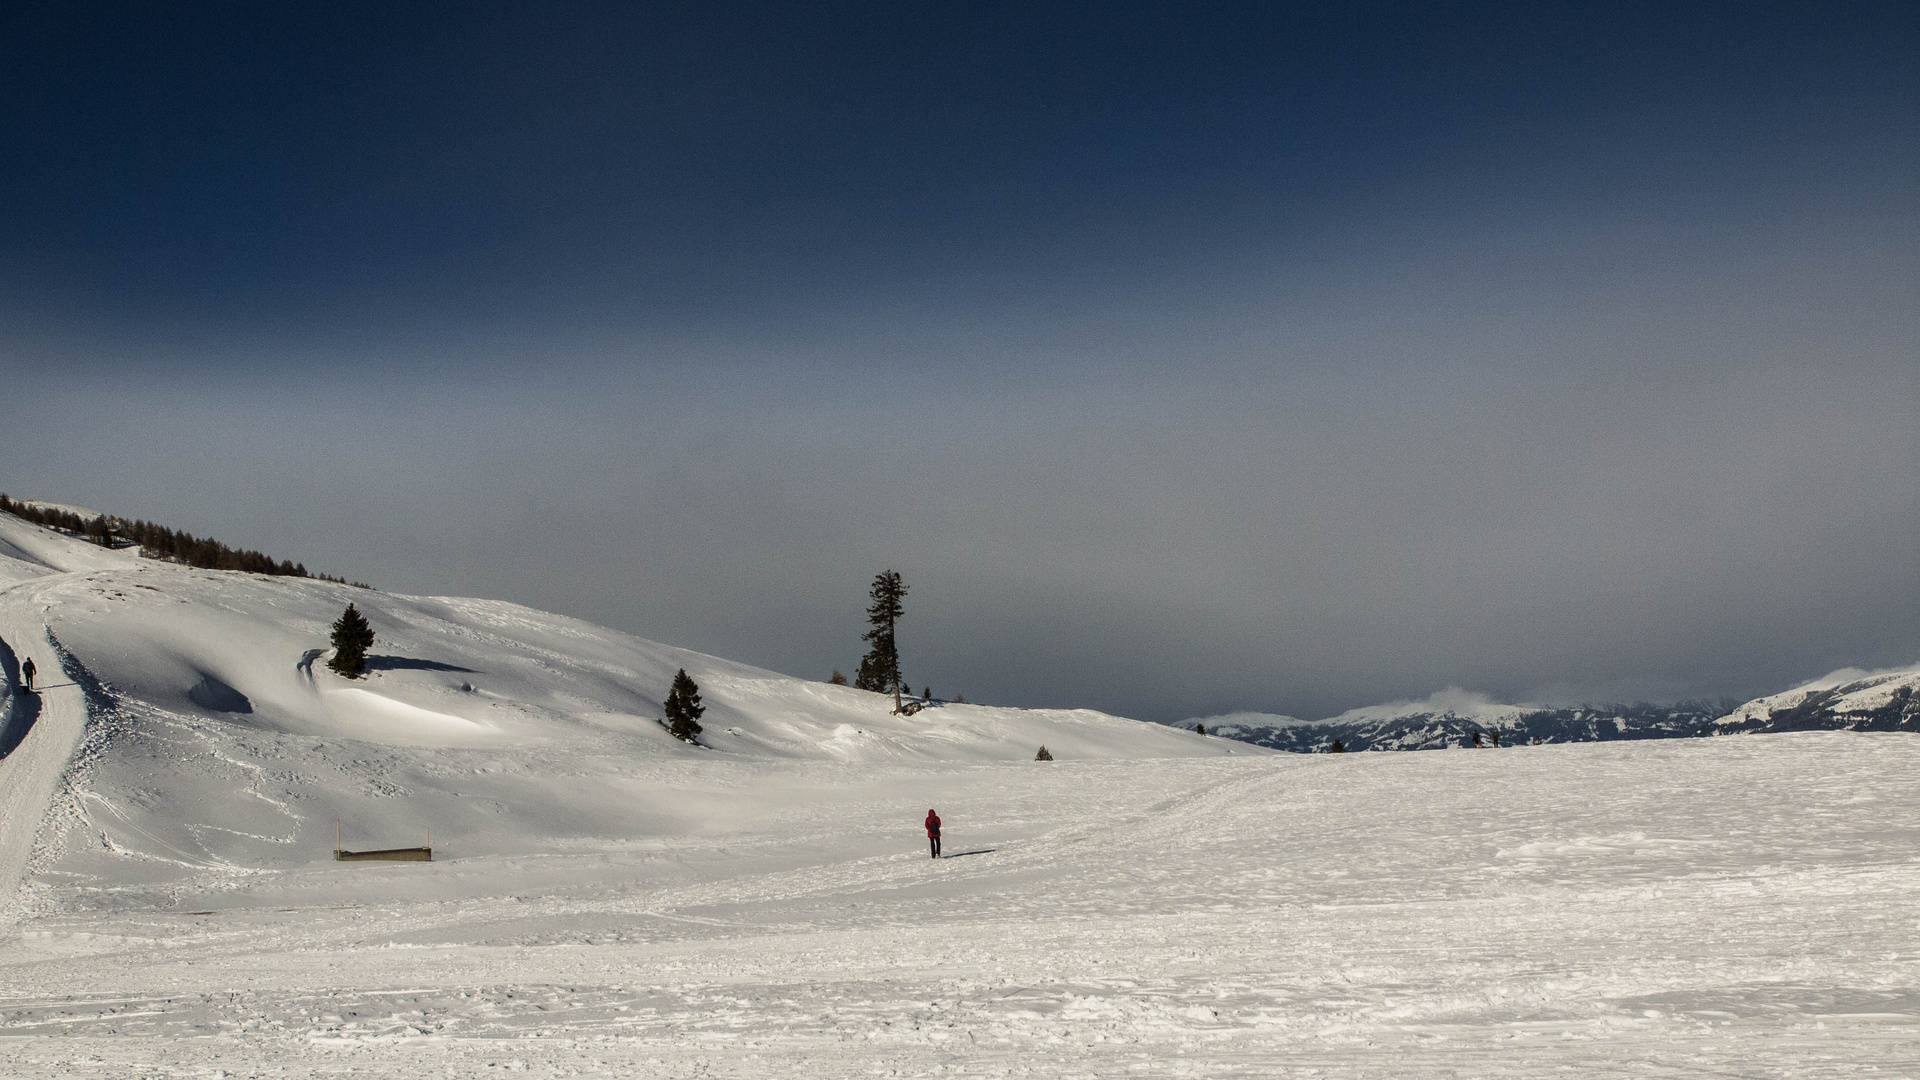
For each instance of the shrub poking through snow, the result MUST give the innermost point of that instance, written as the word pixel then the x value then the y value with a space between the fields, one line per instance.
pixel 683 707
pixel 836 678
pixel 1337 748
pixel 1199 729
pixel 352 637
pixel 1043 755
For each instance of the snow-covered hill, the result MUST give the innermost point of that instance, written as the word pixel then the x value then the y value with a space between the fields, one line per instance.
pixel 193 738
pixel 606 901
pixel 1849 699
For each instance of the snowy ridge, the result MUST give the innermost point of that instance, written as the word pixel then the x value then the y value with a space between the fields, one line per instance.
pixel 1453 717
pixel 1849 698
pixel 220 745
pixel 64 508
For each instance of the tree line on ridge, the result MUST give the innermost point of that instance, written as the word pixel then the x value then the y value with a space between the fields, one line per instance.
pixel 159 542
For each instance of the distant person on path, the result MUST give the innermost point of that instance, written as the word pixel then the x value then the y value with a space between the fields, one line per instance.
pixel 27 669
pixel 933 832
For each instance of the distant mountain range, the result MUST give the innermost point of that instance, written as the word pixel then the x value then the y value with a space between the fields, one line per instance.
pixel 1850 699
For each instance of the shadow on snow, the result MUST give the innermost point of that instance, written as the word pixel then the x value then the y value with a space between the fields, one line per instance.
pixel 397 663
pixel 22 708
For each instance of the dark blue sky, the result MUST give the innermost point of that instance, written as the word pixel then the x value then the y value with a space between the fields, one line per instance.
pixel 1190 357
pixel 658 166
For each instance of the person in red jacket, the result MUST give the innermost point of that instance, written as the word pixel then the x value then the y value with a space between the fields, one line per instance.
pixel 933 832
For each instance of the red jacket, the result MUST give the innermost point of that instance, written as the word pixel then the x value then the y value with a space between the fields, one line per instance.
pixel 933 823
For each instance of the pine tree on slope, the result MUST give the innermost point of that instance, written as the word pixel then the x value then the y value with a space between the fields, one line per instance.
pixel 683 707
pixel 880 668
pixel 352 637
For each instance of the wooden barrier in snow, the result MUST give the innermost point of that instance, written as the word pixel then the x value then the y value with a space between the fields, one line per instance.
pixel 403 854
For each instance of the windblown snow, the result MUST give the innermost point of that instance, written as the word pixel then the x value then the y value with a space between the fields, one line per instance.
pixel 606 900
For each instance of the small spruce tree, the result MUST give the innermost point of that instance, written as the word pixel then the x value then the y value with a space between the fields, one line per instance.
pixel 683 707
pixel 1043 755
pixel 1337 748
pixel 836 678
pixel 352 637
pixel 1199 729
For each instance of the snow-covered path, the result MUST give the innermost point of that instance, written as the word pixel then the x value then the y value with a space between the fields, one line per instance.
pixel 32 772
pixel 1722 907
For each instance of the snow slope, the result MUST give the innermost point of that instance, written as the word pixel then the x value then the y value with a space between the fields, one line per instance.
pixel 608 902
pixel 219 748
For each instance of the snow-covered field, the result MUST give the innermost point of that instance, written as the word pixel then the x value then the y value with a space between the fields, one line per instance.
pixel 1745 906
pixel 606 901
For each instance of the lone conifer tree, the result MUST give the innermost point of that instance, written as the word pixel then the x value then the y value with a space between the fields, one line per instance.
pixel 1337 748
pixel 837 679
pixel 352 637
pixel 683 707
pixel 1199 729
pixel 1043 755
pixel 880 668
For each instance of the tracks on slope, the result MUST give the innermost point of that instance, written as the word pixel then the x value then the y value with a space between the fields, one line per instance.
pixel 31 774
pixel 1049 852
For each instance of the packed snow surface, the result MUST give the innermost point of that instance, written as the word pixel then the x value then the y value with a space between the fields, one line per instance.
pixel 608 901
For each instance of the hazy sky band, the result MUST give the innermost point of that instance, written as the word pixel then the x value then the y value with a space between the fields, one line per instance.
pixel 1251 359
